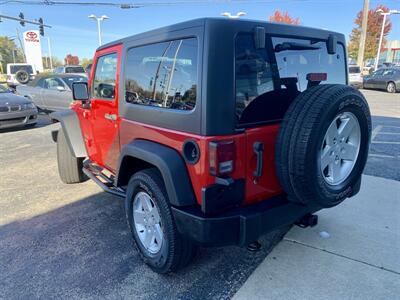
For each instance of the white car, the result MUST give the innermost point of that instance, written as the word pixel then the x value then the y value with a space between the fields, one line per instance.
pixel 19 73
pixel 355 76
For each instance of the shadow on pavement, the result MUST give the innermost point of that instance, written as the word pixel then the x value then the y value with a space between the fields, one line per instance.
pixel 84 250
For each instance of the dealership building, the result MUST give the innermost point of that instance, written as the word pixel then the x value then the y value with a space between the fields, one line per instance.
pixel 391 52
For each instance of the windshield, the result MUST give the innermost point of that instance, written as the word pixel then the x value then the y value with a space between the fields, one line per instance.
pixel 353 70
pixel 74 70
pixel 70 80
pixel 15 68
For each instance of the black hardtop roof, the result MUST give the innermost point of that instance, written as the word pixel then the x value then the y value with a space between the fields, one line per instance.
pixel 294 29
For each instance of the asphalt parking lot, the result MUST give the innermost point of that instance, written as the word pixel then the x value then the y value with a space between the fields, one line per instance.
pixel 71 241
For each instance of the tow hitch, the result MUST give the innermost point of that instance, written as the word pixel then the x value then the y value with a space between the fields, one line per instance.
pixel 308 220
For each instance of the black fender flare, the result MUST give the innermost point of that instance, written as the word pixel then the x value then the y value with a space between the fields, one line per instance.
pixel 72 129
pixel 170 164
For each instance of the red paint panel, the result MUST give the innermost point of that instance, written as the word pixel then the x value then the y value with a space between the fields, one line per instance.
pixel 199 173
pixel 267 185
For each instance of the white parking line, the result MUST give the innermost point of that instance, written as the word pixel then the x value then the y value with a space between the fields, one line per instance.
pixel 375 132
pixel 381 142
pixel 381 155
pixel 389 133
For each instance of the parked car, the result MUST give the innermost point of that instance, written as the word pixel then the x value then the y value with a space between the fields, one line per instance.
pixel 206 151
pixel 16 111
pixel 70 69
pixel 20 73
pixel 50 92
pixel 355 76
pixel 387 79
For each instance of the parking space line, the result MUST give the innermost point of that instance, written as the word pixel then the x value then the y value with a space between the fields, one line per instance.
pixel 381 155
pixel 381 142
pixel 376 131
pixel 389 133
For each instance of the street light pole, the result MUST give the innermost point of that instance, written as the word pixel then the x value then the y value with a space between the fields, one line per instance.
pixel 230 16
pixel 50 56
pixel 102 18
pixel 384 14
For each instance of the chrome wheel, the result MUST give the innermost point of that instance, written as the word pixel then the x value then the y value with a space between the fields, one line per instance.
pixel 391 87
pixel 340 148
pixel 147 221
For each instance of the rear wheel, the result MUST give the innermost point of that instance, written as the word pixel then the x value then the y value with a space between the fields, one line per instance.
pixel 69 167
pixel 323 145
pixel 391 87
pixel 152 225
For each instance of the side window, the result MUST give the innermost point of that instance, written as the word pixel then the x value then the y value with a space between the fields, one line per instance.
pixel 40 83
pixel 104 79
pixel 163 74
pixel 52 83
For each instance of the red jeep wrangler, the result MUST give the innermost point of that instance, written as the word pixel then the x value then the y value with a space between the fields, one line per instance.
pixel 217 131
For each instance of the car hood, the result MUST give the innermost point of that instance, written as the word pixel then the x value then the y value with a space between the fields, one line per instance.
pixel 10 98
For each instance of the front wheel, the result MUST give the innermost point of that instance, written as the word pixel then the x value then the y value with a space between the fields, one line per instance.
pixel 69 167
pixel 152 225
pixel 391 87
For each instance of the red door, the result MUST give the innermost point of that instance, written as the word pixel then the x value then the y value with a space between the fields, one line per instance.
pixel 103 144
pixel 261 180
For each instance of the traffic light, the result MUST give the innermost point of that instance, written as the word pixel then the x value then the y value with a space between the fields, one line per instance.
pixel 21 16
pixel 41 27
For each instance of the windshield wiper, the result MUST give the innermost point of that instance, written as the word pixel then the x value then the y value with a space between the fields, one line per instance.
pixel 294 46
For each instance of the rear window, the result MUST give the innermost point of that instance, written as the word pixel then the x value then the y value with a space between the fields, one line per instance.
pixel 15 68
pixel 267 81
pixel 297 64
pixel 74 70
pixel 354 70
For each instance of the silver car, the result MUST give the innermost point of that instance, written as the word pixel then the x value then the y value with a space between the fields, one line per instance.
pixel 50 92
pixel 384 79
pixel 16 111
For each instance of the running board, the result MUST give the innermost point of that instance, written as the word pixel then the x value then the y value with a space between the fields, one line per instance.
pixel 106 183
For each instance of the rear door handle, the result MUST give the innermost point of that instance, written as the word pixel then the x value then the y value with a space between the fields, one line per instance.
pixel 111 117
pixel 258 149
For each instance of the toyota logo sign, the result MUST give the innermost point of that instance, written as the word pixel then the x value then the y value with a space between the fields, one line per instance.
pixel 31 35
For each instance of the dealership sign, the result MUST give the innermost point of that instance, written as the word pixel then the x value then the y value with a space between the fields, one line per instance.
pixel 33 51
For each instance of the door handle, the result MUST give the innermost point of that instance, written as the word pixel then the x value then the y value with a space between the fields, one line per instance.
pixel 111 117
pixel 258 150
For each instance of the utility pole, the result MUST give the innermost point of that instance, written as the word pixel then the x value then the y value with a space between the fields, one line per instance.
pixel 20 44
pixel 363 36
pixel 50 55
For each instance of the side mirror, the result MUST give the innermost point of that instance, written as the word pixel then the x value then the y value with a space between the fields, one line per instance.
pixel 80 91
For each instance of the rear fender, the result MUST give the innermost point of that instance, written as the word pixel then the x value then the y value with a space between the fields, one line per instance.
pixel 168 161
pixel 70 125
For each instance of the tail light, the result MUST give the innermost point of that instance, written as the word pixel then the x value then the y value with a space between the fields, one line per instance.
pixel 222 157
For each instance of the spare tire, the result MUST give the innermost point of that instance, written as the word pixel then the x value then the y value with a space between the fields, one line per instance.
pixel 322 145
pixel 22 76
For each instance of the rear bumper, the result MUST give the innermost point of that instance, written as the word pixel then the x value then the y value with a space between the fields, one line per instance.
pixel 239 226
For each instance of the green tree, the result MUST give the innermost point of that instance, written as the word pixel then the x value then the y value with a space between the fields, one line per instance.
pixel 7 47
pixel 86 61
pixel 373 33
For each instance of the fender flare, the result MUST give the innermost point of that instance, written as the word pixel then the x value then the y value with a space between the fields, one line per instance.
pixel 170 164
pixel 72 129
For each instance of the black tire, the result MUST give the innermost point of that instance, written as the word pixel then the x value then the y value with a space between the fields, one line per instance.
pixel 69 167
pixel 22 76
pixel 300 138
pixel 391 87
pixel 176 251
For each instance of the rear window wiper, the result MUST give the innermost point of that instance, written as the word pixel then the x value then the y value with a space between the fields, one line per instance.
pixel 294 46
